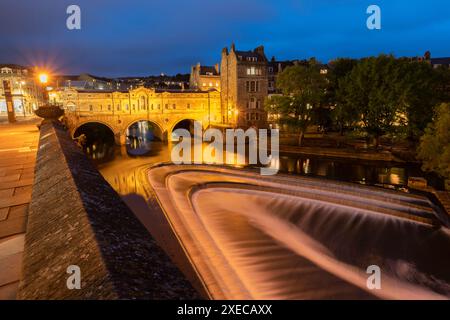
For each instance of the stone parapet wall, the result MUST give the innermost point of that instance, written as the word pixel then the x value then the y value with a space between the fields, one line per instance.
pixel 76 218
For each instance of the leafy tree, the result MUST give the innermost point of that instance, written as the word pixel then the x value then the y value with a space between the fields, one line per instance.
pixel 434 148
pixel 303 88
pixel 417 95
pixel 343 114
pixel 372 92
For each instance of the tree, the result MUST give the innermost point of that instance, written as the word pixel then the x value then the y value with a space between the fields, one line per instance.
pixel 371 92
pixel 434 148
pixel 417 95
pixel 302 88
pixel 342 114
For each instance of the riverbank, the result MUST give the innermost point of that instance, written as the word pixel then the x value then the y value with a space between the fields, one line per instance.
pixel 18 146
pixel 341 153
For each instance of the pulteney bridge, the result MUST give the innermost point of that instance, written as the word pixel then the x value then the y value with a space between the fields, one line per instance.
pixel 120 110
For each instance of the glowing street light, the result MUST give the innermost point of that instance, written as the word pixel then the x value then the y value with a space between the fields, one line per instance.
pixel 43 78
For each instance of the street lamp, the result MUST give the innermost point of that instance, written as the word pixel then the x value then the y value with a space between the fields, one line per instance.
pixel 47 111
pixel 43 78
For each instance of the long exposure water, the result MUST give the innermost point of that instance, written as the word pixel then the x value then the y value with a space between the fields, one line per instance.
pixel 265 239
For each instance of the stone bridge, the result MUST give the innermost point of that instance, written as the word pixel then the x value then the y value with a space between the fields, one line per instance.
pixel 119 110
pixel 164 124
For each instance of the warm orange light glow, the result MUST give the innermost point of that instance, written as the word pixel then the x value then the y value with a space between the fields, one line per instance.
pixel 43 77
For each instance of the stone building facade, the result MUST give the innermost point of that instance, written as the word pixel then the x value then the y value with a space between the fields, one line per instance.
pixel 27 93
pixel 244 82
pixel 205 77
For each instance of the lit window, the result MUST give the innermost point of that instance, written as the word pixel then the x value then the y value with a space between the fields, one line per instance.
pixel 210 84
pixel 204 84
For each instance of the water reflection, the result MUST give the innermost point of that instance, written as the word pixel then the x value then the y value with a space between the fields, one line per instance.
pixel 364 172
pixel 139 137
pixel 122 166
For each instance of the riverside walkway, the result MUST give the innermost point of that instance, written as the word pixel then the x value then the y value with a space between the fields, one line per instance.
pixel 18 146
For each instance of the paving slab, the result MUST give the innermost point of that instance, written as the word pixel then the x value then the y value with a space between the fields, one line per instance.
pixel 18 147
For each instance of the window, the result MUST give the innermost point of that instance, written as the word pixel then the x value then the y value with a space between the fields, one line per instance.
pixel 151 106
pixel 109 107
pixel 127 106
pixel 252 86
pixel 91 108
pixel 118 107
pixel 258 104
pixel 166 106
pixel 188 106
pixel 174 106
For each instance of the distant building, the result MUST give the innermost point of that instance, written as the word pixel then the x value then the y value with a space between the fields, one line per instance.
pixel 84 81
pixel 440 62
pixel 27 93
pixel 205 77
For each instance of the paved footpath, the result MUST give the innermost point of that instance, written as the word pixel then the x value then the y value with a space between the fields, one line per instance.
pixel 18 146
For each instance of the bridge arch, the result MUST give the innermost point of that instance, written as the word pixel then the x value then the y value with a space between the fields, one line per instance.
pixel 103 123
pixel 158 131
pixel 99 139
pixel 183 123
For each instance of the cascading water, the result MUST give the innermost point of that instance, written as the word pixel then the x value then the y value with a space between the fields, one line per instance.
pixel 253 237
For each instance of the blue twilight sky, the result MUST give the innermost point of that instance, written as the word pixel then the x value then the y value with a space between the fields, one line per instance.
pixel 143 37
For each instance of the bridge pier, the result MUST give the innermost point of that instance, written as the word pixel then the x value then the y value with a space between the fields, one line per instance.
pixel 120 139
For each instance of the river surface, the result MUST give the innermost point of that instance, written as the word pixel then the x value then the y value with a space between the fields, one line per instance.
pixel 119 165
pixel 285 228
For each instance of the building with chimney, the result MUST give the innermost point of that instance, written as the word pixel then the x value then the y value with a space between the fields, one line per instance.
pixel 244 87
pixel 204 77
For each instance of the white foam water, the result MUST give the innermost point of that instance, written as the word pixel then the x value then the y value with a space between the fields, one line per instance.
pixel 301 238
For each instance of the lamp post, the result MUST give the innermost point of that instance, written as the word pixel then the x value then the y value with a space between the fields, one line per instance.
pixel 47 111
pixel 43 79
pixel 21 83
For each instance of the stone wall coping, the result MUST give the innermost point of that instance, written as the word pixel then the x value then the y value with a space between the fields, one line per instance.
pixel 76 218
